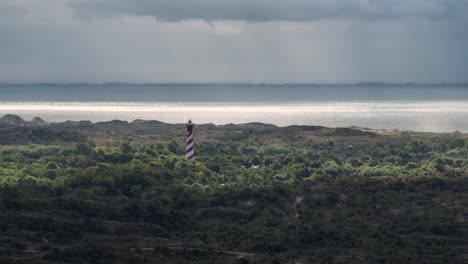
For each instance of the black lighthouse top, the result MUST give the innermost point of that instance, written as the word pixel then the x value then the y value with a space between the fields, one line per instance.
pixel 189 126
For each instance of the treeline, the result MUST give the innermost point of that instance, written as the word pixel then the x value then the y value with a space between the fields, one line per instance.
pixel 132 167
pixel 385 201
pixel 32 135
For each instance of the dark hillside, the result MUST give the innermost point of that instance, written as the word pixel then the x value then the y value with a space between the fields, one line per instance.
pixel 121 192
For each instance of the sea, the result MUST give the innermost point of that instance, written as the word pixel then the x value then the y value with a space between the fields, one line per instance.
pixel 413 107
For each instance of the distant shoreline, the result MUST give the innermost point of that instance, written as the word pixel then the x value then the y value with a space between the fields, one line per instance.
pixel 12 120
pixel 433 116
pixel 240 84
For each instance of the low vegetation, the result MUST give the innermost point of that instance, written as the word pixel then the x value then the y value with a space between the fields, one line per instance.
pixel 268 195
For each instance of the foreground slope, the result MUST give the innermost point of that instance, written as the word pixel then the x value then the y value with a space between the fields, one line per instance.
pixel 120 192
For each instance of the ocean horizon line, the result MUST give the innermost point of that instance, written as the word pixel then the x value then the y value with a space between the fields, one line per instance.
pixel 240 84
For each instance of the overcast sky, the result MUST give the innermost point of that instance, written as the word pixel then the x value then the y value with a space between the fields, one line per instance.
pixel 233 40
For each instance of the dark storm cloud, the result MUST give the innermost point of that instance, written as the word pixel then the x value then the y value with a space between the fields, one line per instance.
pixel 233 40
pixel 277 10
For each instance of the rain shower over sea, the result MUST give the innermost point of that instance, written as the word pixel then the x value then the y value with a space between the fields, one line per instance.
pixel 415 107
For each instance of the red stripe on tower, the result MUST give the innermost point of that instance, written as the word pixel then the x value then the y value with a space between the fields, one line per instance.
pixel 189 151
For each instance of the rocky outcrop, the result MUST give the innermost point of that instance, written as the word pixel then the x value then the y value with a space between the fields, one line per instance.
pixel 12 120
pixel 37 121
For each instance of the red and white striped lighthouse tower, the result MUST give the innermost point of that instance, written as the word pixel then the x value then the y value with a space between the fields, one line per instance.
pixel 189 151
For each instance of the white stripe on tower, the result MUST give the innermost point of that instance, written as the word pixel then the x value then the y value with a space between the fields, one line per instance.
pixel 190 155
pixel 189 148
pixel 189 136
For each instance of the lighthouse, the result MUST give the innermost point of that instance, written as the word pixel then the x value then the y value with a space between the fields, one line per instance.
pixel 189 151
